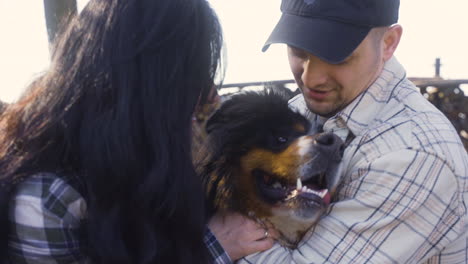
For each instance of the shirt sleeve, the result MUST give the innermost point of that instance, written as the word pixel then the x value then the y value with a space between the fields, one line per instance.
pixel 404 207
pixel 45 215
pixel 217 253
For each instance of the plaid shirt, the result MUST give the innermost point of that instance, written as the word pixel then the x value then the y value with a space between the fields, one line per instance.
pixel 404 191
pixel 45 217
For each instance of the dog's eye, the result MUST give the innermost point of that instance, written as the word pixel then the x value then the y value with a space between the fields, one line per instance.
pixel 282 139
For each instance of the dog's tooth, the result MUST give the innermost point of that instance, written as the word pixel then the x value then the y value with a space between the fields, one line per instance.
pixel 299 184
pixel 323 193
pixel 313 192
pixel 292 195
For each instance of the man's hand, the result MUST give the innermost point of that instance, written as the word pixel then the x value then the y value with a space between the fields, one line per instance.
pixel 241 236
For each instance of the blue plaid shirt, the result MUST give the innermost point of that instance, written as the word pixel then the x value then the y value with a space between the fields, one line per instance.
pixel 404 191
pixel 45 216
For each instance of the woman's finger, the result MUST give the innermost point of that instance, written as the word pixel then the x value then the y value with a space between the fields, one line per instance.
pixel 273 233
pixel 259 245
pixel 258 233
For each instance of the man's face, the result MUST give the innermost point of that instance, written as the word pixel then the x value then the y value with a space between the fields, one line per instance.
pixel 328 88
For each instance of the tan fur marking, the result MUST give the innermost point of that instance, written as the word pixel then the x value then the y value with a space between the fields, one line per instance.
pixel 299 128
pixel 283 164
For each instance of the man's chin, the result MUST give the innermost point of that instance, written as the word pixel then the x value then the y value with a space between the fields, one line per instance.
pixel 322 109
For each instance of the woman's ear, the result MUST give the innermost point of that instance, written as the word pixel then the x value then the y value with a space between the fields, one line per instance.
pixel 391 39
pixel 214 121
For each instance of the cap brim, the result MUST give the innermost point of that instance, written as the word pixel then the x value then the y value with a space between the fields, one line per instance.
pixel 329 40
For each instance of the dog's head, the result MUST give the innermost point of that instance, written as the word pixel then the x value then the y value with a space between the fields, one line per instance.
pixel 263 162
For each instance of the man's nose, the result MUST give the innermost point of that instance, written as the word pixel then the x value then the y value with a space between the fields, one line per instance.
pixel 315 73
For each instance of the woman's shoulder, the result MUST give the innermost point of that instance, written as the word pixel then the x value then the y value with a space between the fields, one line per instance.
pixel 50 194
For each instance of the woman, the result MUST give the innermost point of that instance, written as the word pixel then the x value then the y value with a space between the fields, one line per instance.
pixel 95 156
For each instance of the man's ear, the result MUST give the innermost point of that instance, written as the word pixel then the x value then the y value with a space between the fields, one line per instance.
pixel 391 39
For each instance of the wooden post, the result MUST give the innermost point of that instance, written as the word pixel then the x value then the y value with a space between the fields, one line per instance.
pixel 437 67
pixel 57 13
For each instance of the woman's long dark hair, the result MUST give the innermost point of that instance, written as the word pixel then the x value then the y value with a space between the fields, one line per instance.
pixel 115 108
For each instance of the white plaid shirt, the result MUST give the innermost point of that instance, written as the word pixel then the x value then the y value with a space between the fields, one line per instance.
pixel 404 191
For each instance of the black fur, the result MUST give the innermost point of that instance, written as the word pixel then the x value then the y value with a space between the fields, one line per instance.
pixel 244 121
pixel 266 115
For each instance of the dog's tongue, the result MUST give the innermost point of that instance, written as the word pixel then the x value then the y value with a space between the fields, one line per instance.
pixel 327 198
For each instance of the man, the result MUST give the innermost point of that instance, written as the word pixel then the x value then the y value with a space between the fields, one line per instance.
pixel 404 185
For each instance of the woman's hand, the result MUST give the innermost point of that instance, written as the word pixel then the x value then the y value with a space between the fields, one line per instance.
pixel 241 236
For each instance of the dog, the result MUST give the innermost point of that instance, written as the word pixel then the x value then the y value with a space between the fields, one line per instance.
pixel 260 160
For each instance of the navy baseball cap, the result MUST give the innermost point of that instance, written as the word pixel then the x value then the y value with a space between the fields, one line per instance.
pixel 331 29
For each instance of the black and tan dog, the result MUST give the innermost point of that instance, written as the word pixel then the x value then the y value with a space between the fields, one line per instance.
pixel 262 162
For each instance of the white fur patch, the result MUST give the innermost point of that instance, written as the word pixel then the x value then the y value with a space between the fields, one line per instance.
pixel 304 145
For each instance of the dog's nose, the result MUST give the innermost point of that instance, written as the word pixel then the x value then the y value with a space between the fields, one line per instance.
pixel 330 143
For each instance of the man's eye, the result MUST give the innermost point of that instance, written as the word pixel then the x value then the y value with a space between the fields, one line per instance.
pixel 347 60
pixel 298 52
pixel 300 55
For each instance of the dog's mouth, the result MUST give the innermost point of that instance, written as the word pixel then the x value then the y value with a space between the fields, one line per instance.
pixel 274 190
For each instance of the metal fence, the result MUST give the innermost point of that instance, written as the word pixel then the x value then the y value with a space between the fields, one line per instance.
pixel 446 95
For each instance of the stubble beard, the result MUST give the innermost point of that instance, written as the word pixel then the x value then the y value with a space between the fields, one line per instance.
pixel 332 108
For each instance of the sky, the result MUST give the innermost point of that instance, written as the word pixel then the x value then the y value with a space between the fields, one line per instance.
pixel 431 29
